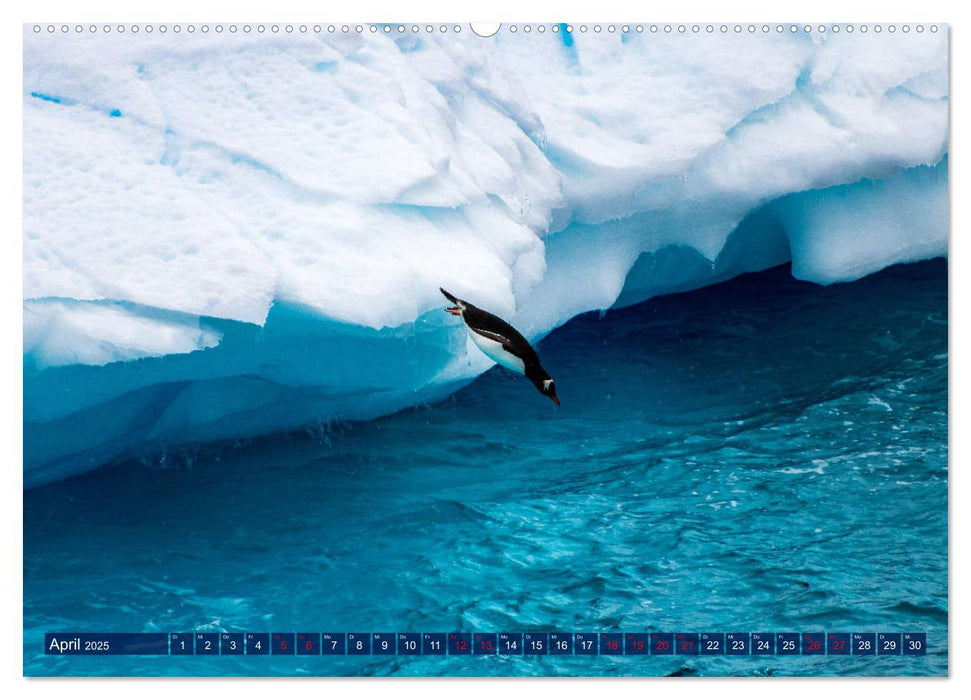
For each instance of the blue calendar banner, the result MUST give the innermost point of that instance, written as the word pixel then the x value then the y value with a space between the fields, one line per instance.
pixel 637 644
pixel 763 643
pixel 358 643
pixel 586 644
pixel 333 644
pixel 383 643
pixel 511 643
pixel 207 643
pixel 257 644
pixel 181 643
pixel 889 643
pixel 813 643
pixel 838 643
pixel 662 644
pixel 737 644
pixel 915 644
pixel 409 644
pixel 864 643
pixel 281 644
pixel 536 643
pixel 711 644
pixel 485 643
pixel 308 643
pixel 433 644
pixel 611 643
pixel 231 643
pixel 108 644
pixel 460 644
pixel 788 644
pixel 561 643
pixel 686 643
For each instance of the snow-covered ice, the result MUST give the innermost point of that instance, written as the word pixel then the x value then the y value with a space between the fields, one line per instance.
pixel 226 235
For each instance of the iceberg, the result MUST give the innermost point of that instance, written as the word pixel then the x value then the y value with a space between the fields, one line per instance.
pixel 231 235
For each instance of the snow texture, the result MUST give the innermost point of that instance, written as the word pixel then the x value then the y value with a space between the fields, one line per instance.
pixel 227 235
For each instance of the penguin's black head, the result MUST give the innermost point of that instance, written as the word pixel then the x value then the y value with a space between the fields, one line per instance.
pixel 548 388
pixel 541 380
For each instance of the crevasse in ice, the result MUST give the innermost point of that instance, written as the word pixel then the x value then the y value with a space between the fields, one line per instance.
pixel 230 235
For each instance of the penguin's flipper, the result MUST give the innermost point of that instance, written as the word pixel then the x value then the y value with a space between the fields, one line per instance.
pixel 497 338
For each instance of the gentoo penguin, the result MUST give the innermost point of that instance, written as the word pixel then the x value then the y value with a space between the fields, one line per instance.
pixel 503 343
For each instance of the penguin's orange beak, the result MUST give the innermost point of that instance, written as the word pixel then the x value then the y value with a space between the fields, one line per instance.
pixel 555 400
pixel 454 310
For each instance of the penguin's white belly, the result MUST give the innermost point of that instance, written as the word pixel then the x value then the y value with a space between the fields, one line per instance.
pixel 494 350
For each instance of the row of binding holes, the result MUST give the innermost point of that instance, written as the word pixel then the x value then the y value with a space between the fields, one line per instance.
pixel 527 28
pixel 247 29
pixel 726 28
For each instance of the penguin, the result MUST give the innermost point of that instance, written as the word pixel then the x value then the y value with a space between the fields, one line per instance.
pixel 503 343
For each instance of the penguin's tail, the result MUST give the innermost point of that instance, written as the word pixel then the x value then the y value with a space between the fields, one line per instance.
pixel 459 304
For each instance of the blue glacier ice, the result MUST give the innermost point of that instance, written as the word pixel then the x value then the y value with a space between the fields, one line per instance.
pixel 227 236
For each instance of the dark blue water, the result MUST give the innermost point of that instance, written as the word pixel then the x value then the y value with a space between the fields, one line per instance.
pixel 762 455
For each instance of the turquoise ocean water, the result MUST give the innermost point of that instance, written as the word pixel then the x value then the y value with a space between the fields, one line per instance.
pixel 764 455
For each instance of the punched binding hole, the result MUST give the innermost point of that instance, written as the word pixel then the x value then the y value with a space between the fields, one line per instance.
pixel 485 29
